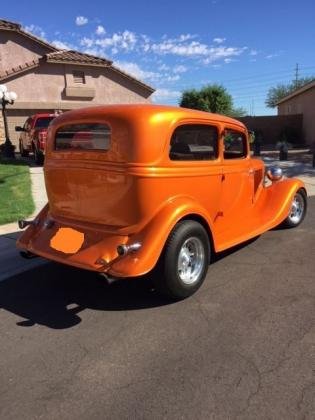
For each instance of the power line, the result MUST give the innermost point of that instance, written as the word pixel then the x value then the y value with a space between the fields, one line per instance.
pixel 296 73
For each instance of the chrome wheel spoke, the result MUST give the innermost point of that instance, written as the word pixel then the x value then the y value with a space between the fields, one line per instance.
pixel 191 260
pixel 297 209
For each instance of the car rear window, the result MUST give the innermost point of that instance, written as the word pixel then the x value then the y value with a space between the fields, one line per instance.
pixel 89 136
pixel 43 122
pixel 194 142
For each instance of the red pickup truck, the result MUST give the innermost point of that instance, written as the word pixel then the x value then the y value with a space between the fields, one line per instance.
pixel 33 136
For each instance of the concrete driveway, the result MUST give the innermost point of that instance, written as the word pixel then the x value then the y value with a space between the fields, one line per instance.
pixel 242 348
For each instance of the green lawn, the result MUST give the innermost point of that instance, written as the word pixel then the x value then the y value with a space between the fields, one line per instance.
pixel 16 199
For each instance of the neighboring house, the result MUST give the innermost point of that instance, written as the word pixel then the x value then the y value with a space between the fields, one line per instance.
pixel 46 78
pixel 301 101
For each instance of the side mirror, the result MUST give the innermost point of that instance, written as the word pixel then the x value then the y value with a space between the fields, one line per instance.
pixel 19 128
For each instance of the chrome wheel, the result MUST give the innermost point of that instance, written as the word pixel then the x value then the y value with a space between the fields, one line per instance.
pixel 191 260
pixel 297 209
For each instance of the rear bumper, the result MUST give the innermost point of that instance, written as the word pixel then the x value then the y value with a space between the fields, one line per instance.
pixel 95 250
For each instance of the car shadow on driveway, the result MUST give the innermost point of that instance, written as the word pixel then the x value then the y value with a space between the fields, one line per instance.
pixel 54 295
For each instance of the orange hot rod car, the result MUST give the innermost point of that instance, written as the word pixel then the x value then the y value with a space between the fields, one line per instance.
pixel 136 188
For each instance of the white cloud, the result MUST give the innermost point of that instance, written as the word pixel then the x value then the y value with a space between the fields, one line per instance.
pixel 186 37
pixel 135 70
pixel 173 78
pixel 87 42
pixel 171 47
pixel 61 45
pixel 270 56
pixel 35 30
pixel 223 53
pixel 165 95
pixel 81 20
pixel 180 69
pixel 100 30
pixel 126 41
pixel 219 40
pixel 195 49
pixel 164 67
pixel 253 52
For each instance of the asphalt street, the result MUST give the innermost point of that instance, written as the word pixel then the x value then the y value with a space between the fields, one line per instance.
pixel 243 347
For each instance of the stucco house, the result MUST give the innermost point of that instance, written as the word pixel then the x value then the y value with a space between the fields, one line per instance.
pixel 46 78
pixel 301 101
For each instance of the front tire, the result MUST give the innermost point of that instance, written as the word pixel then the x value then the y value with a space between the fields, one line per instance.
pixel 297 211
pixel 23 152
pixel 184 262
pixel 38 156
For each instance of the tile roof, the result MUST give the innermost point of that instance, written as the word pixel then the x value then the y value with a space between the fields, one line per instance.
pixel 16 27
pixel 9 26
pixel 70 56
pixel 18 69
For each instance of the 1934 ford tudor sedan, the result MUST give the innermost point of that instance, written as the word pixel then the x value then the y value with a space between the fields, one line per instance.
pixel 139 188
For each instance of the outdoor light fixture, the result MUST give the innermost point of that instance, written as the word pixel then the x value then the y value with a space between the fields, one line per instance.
pixel 6 98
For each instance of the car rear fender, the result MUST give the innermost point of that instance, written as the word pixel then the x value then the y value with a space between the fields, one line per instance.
pixel 155 233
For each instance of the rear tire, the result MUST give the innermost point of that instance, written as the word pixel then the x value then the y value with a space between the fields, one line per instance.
pixel 297 211
pixel 184 262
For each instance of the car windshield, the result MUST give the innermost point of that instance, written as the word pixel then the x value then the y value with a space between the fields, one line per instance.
pixel 43 122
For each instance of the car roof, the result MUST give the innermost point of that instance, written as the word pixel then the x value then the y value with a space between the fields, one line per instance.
pixel 43 115
pixel 150 110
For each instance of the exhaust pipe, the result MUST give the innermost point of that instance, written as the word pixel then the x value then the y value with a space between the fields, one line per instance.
pixel 122 250
pixel 126 249
pixel 24 223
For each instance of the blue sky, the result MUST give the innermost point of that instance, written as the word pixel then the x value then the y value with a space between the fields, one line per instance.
pixel 246 46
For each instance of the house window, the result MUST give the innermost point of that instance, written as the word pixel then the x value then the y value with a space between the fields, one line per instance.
pixel 79 77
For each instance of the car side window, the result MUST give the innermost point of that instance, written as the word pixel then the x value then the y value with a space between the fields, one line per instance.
pixel 235 144
pixel 194 142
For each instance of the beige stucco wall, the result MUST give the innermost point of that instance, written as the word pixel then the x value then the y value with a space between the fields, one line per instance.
pixel 43 89
pixel 16 49
pixel 303 103
pixel 47 83
pixel 50 86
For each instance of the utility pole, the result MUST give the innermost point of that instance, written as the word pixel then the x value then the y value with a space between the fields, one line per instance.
pixel 296 74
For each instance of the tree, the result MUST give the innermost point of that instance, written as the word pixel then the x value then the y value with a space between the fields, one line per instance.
pixel 275 94
pixel 211 98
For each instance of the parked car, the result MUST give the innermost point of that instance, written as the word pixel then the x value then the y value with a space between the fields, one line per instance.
pixel 134 189
pixel 33 136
